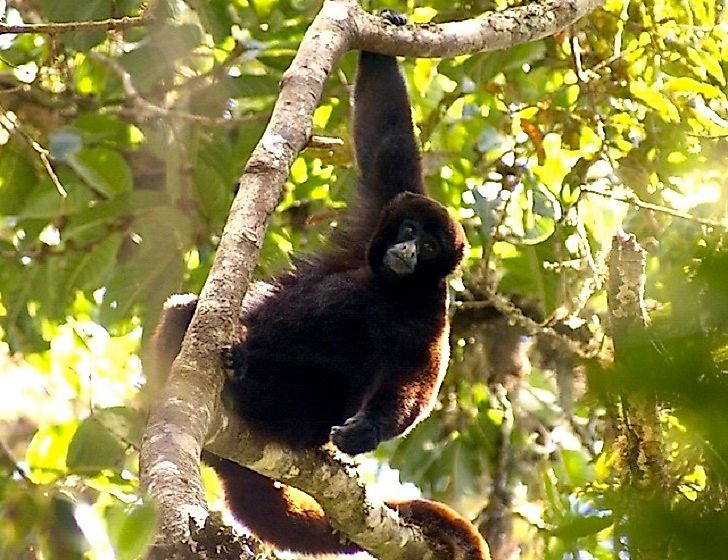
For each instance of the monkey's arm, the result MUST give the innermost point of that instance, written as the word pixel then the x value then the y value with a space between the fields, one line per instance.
pixel 386 148
pixel 395 408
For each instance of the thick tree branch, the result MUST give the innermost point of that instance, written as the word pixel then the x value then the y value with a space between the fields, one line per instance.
pixel 489 32
pixel 178 426
pixel 332 480
pixel 188 408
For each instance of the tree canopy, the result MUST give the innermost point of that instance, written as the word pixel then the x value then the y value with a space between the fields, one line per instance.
pixel 567 428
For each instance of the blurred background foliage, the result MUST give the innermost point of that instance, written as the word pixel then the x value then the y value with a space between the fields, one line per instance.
pixel 119 156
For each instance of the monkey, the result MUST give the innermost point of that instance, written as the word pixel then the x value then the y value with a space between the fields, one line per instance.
pixel 349 345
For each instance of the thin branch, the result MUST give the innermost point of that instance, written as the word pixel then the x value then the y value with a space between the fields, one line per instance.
pixel 517 317
pixel 110 24
pixel 9 464
pixel 43 154
pixel 324 142
pixel 150 109
pixel 497 517
pixel 634 200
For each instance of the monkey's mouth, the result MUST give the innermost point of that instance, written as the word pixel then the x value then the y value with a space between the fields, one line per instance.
pixel 402 258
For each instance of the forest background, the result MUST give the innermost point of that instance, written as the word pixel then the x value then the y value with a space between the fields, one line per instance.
pixel 561 432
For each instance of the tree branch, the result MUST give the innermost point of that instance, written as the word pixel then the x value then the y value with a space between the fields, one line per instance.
pixel 149 109
pixel 111 24
pixel 489 32
pixel 332 480
pixel 640 442
pixel 634 200
pixel 188 406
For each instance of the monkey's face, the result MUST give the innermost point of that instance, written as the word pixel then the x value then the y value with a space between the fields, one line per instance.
pixel 413 245
pixel 416 240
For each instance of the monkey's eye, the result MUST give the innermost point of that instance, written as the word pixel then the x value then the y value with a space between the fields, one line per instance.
pixel 407 231
pixel 430 247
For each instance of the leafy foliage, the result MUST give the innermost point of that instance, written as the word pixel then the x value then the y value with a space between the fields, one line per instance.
pixel 112 199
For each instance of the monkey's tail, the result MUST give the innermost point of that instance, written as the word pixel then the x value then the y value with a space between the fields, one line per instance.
pixel 289 519
pixel 284 517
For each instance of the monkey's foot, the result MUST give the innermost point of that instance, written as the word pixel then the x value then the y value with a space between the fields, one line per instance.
pixel 357 435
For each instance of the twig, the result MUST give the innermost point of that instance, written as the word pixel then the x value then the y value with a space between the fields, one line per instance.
pixel 516 316
pixel 195 83
pixel 42 152
pixel 109 24
pixel 8 462
pixel 324 142
pixel 639 203
pixel 497 524
pixel 150 108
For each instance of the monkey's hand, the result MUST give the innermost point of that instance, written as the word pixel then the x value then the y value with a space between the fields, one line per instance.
pixel 234 361
pixel 393 17
pixel 358 435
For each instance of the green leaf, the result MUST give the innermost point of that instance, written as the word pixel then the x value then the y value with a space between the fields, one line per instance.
pixel 168 44
pixel 47 450
pixel 17 179
pixel 489 211
pixel 24 49
pixel 88 270
pixel 214 191
pixel 103 169
pixel 106 129
pixel 249 85
pixel 145 282
pixel 709 62
pixel 21 330
pixel 578 527
pixel 690 85
pixel 577 468
pixel 100 441
pixel 177 41
pixel 70 10
pixel 651 97
pixel 45 202
pixel 84 225
pixel 94 448
pixel 216 17
pixel 66 535
pixel 131 529
pixel 45 293
pixel 532 216
pixel 153 271
pixel 484 67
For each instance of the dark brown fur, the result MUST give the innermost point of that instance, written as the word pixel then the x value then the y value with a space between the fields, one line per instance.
pixel 454 535
pixel 340 347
